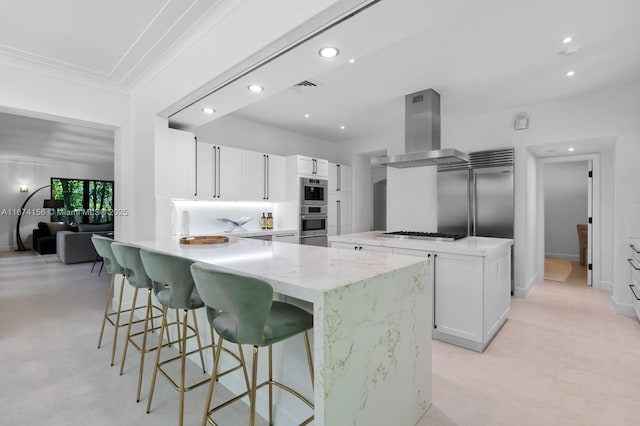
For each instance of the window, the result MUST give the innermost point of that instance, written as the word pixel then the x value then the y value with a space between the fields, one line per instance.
pixel 85 201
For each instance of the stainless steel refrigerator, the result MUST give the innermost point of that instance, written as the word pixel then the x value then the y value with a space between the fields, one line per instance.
pixel 477 199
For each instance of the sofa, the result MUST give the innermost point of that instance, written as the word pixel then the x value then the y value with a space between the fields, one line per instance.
pixel 44 236
pixel 76 247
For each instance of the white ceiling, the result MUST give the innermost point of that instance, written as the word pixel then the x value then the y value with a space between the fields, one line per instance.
pixel 111 42
pixel 489 54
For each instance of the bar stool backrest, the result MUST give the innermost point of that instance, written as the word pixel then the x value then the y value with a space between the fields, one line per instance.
pixel 103 248
pixel 247 299
pixel 169 273
pixel 128 257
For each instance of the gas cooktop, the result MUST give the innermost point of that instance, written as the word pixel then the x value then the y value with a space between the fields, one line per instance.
pixel 432 236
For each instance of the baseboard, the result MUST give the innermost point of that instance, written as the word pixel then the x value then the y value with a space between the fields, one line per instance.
pixel 606 286
pixel 523 293
pixel 564 256
pixel 625 309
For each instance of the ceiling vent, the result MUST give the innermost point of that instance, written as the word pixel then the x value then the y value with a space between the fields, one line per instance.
pixel 305 86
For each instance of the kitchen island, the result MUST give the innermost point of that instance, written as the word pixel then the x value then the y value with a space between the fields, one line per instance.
pixel 471 282
pixel 372 324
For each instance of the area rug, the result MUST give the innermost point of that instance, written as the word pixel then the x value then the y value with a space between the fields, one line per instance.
pixel 557 269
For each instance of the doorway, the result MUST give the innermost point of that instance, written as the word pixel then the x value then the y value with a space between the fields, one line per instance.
pixel 568 192
pixel 567 209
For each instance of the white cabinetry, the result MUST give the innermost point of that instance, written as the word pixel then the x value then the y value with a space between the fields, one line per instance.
pixel 339 214
pixel 361 247
pixel 312 167
pixel 286 238
pixel 457 291
pixel 219 172
pixel 339 200
pixel 182 176
pixel 340 176
pixel 634 286
pixel 262 176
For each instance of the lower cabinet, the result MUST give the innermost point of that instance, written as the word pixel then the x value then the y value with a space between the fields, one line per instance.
pixel 457 292
pixel 361 247
pixel 286 238
pixel 471 293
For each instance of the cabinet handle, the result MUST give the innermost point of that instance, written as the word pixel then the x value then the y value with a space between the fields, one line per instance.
pixel 195 194
pixel 634 292
pixel 214 178
pixel 338 178
pixel 284 235
pixel 338 214
pixel 360 248
pixel 264 177
pixel 355 247
pixel 633 264
pixel 634 248
pixel 434 291
pixel 218 170
pixel 268 170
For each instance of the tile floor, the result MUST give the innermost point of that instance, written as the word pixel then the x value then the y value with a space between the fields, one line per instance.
pixel 563 358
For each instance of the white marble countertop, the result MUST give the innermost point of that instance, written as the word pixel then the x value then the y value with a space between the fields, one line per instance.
pixel 301 271
pixel 476 246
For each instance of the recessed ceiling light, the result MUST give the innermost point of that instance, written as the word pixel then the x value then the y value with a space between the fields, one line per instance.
pixel 307 116
pixel 208 110
pixel 329 52
pixel 570 73
pixel 342 127
pixel 351 60
pixel 567 40
pixel 255 88
pixel 571 149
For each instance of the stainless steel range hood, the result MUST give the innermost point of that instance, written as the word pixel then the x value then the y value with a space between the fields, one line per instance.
pixel 422 135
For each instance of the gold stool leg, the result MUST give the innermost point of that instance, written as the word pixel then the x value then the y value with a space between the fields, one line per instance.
pixel 106 309
pixel 165 309
pixel 117 322
pixel 143 350
pixel 126 341
pixel 254 379
pixel 270 384
pixel 309 359
pixel 183 358
pixel 216 360
pixel 178 329
pixel 195 326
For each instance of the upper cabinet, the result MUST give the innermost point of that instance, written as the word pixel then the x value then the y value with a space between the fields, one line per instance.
pixel 182 176
pixel 218 172
pixel 312 167
pixel 340 176
pixel 262 176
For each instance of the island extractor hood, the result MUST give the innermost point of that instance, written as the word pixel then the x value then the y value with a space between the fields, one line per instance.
pixel 422 135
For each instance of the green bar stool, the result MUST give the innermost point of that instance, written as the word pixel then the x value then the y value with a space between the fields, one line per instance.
pixel 103 247
pixel 241 309
pixel 174 289
pixel 128 257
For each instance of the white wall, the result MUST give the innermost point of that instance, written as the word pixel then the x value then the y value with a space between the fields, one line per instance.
pixel 35 175
pixel 565 206
pixel 238 132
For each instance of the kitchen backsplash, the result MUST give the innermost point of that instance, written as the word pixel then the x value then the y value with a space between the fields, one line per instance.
pixel 201 217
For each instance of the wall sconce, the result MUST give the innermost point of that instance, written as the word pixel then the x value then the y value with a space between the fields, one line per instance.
pixel 24 188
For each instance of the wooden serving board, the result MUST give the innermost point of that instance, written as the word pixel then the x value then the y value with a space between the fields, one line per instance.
pixel 204 239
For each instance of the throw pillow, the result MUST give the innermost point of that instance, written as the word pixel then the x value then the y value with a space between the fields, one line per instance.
pixel 44 229
pixel 55 227
pixel 73 227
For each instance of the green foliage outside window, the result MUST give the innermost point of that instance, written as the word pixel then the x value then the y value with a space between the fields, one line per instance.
pixel 85 201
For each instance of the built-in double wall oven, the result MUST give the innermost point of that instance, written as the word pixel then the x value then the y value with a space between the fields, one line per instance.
pixel 313 211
